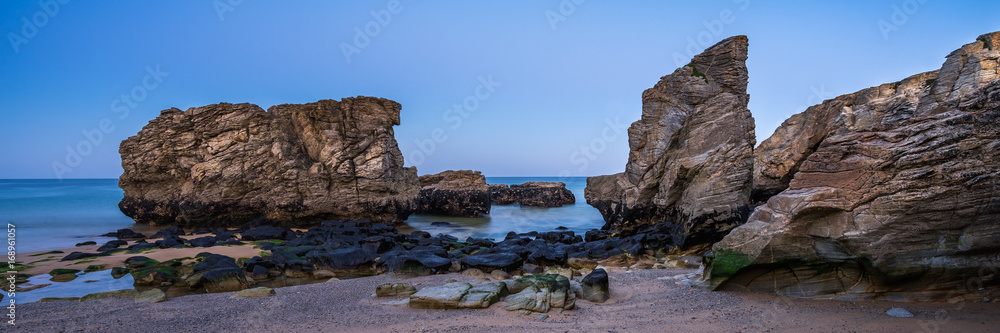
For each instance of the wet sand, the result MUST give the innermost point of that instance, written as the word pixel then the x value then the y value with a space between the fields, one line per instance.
pixel 642 301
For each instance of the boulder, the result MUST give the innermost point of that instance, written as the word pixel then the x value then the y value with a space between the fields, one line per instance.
pixel 169 231
pixel 267 232
pixel 886 193
pixel 543 194
pixel 540 293
pixel 414 263
pixel 459 295
pixel 111 245
pixel 454 193
pixel 490 262
pixel 222 280
pixel 204 241
pixel 227 164
pixel 690 162
pixel 254 292
pixel 341 259
pixel 594 286
pixel 170 241
pixel 394 289
pixel 125 234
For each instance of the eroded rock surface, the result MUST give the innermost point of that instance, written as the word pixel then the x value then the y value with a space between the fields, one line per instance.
pixel 454 193
pixel 691 154
pixel 538 194
pixel 892 192
pixel 226 164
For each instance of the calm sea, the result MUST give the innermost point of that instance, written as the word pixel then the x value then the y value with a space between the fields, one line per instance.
pixel 57 214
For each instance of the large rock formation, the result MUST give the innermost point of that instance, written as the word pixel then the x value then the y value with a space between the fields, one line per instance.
pixel 225 164
pixel 691 155
pixel 890 192
pixel 537 194
pixel 454 193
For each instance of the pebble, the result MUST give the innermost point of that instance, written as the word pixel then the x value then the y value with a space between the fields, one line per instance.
pixel 899 313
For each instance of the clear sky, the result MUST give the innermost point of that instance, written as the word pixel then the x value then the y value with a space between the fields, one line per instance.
pixel 561 78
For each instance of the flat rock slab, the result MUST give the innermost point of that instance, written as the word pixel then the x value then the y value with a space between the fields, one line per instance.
pixel 459 295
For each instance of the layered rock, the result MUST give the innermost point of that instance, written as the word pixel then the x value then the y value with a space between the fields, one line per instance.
pixel 691 154
pixel 225 164
pixel 537 194
pixel 890 192
pixel 454 193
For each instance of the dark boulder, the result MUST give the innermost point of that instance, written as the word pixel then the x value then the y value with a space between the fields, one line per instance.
pixel 205 241
pixel 489 262
pixel 595 286
pixel 111 245
pixel 166 232
pixel 81 255
pixel 125 234
pixel 340 259
pixel 267 232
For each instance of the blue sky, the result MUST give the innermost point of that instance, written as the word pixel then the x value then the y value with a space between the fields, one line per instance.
pixel 565 77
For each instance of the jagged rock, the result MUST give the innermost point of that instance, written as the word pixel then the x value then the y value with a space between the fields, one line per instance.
pixel 541 194
pixel 459 295
pixel 226 164
pixel 891 192
pixel 501 194
pixel 454 193
pixel 691 154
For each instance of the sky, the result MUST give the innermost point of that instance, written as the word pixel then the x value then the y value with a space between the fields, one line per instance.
pixel 530 88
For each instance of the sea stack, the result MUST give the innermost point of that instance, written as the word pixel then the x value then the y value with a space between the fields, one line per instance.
pixel 226 164
pixel 454 193
pixel 887 193
pixel 690 162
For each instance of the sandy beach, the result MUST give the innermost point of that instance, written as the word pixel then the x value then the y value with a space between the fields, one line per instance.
pixel 642 301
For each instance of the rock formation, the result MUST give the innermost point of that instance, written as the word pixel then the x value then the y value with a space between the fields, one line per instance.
pixel 454 193
pixel 890 192
pixel 538 194
pixel 225 164
pixel 691 154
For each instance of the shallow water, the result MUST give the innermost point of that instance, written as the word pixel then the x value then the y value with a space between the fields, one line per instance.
pixel 578 217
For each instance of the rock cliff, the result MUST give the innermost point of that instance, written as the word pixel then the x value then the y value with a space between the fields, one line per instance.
pixel 691 154
pixel 890 192
pixel 454 193
pixel 225 164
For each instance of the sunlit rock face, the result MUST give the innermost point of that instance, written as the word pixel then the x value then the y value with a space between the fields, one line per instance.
pixel 225 164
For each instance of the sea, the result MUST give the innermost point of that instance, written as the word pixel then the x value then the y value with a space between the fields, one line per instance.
pixel 49 214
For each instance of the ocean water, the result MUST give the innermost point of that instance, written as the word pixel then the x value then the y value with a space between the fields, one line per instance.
pixel 56 214
pixel 578 217
pixel 52 214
